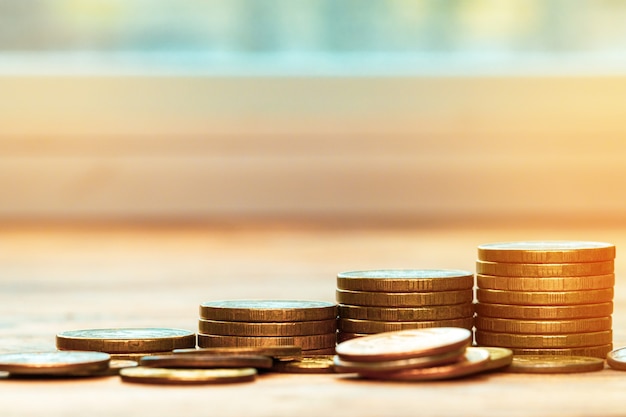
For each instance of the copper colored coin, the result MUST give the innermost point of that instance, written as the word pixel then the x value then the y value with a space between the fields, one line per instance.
pixel 593 351
pixel 543 364
pixel 474 360
pixel 406 280
pixel 342 365
pixel 318 341
pixel 115 366
pixel 444 312
pixel 404 344
pixel 507 311
pixel 288 352
pixel 510 340
pixel 545 270
pixel 318 352
pixel 136 356
pixel 616 359
pixel 536 327
pixel 267 310
pixel 403 299
pixel 54 362
pixel 321 364
pixel 498 357
pixel 559 251
pixel 542 298
pixel 293 328
pixel 126 340
pixel 200 361
pixel 146 375
pixel 370 327
pixel 545 284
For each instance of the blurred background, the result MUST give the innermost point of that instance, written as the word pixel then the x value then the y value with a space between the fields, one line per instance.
pixel 374 111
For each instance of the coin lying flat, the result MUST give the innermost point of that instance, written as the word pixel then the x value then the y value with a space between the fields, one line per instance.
pixel 616 359
pixel 403 299
pixel 599 351
pixel 542 364
pixel 543 341
pixel 405 280
pixel 474 360
pixel 115 366
pixel 322 364
pixel 370 326
pixel 546 252
pixel 492 324
pixel 342 365
pixel 54 362
pixel 136 356
pixel 507 311
pixel 545 284
pixel 126 340
pixel 318 341
pixel 404 344
pixel 543 298
pixel 288 352
pixel 498 357
pixel 267 310
pixel 545 270
pixel 200 361
pixel 145 375
pixel 292 328
pixel 444 312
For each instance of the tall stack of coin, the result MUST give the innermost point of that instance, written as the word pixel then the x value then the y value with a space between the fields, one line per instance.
pixel 376 301
pixel 311 325
pixel 546 298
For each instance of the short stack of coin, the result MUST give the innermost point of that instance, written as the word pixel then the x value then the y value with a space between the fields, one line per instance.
pixel 376 301
pixel 311 325
pixel 546 298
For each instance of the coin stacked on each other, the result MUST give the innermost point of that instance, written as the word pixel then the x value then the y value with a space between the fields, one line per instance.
pixel 546 298
pixel 311 325
pixel 376 301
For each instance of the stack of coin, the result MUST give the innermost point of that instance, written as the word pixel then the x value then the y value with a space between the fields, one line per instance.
pixel 376 301
pixel 311 325
pixel 546 298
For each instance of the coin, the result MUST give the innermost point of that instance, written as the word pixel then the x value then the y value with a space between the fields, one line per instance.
pixel 287 352
pixel 491 324
pixel 136 356
pixel 545 284
pixel 115 365
pixel 403 299
pixel 543 341
pixel 369 327
pixel 474 360
pixel 293 328
pixel 498 357
pixel 541 364
pixel 342 365
pixel 616 359
pixel 53 362
pixel 200 361
pixel 404 344
pixel 599 351
pixel 545 270
pixel 550 298
pixel 545 252
pixel 318 352
pixel 146 375
pixel 126 340
pixel 580 311
pixel 345 336
pixel 267 310
pixel 318 341
pixel 322 364
pixel 444 312
pixel 405 280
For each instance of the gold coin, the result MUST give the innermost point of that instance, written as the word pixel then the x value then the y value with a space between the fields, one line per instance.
pixel 293 328
pixel 546 252
pixel 403 299
pixel 445 312
pixel 406 280
pixel 369 327
pixel 544 341
pixel 342 365
pixel 593 351
pixel 475 360
pixel 318 352
pixel 321 364
pixel 545 284
pixel 580 311
pixel 126 340
pixel 544 270
pixel 53 363
pixel 498 357
pixel 286 353
pixel 318 341
pixel 616 359
pixel 492 324
pixel 200 361
pixel 404 344
pixel 550 298
pixel 542 364
pixel 267 310
pixel 147 375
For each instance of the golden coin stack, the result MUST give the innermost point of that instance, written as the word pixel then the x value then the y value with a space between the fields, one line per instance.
pixel 377 301
pixel 311 325
pixel 546 298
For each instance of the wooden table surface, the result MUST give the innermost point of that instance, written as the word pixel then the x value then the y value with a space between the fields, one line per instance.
pixel 55 278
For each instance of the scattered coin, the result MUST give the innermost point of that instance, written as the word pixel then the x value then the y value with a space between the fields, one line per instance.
pixel 115 365
pixel 581 311
pixel 544 298
pixel 403 299
pixel 405 280
pixel 546 252
pixel 404 344
pixel 616 359
pixel 267 310
pixel 53 363
pixel 342 365
pixel 498 357
pixel 146 375
pixel 322 364
pixel 286 353
pixel 544 341
pixel 289 328
pixel 370 326
pixel 545 284
pixel 200 361
pixel 126 340
pixel 544 270
pixel 537 327
pixel 319 341
pixel 444 312
pixel 542 364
